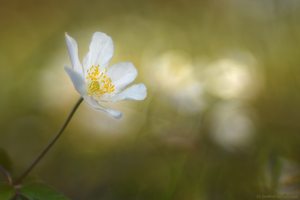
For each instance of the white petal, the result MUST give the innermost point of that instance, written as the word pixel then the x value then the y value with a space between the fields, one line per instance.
pixel 122 74
pixel 135 92
pixel 77 80
pixel 100 51
pixel 73 53
pixel 95 105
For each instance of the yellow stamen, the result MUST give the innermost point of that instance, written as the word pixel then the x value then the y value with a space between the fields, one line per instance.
pixel 98 82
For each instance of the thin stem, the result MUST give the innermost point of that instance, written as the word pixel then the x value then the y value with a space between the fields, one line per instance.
pixel 6 174
pixel 51 143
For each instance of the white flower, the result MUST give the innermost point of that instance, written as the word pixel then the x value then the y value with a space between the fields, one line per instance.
pixel 96 82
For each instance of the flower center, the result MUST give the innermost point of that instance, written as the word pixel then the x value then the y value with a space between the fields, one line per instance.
pixel 98 83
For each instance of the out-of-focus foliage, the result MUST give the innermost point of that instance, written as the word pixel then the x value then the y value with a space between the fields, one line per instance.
pixel 40 192
pixel 5 160
pixel 221 120
pixel 6 192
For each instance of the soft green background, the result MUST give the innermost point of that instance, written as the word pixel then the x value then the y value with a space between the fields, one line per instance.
pixel 232 139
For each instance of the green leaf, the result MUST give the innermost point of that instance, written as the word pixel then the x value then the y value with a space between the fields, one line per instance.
pixel 41 192
pixel 6 192
pixel 5 160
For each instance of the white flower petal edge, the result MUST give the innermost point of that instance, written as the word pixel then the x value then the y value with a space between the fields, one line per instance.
pixel 134 92
pixel 100 51
pixel 73 53
pixel 77 80
pixel 122 74
pixel 95 105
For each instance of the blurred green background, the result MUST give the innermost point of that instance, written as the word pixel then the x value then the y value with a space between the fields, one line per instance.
pixel 221 120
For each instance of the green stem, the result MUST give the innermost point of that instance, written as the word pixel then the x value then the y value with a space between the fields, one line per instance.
pixel 5 174
pixel 51 143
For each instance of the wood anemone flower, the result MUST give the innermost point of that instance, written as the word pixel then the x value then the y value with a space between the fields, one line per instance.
pixel 99 83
